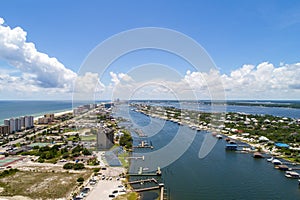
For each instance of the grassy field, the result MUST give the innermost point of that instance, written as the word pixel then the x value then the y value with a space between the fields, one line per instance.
pixel 129 196
pixel 123 158
pixel 88 138
pixel 40 185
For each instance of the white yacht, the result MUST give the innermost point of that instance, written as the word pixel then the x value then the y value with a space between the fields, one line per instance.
pixel 291 174
pixel 276 162
pixel 270 159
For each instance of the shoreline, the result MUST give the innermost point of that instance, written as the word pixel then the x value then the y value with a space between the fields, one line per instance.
pixel 41 114
pixel 214 131
pixel 56 113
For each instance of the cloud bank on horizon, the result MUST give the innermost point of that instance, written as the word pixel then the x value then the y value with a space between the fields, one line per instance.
pixel 36 75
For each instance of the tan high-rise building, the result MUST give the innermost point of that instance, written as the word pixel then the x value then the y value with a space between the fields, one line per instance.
pixel 4 129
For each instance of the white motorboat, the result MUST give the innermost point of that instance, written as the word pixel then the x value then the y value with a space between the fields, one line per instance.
pixel 292 174
pixel 270 159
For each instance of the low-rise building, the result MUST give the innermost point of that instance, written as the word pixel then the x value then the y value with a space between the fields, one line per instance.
pixel 47 119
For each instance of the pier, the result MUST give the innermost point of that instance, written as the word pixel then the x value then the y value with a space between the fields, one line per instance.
pixel 144 144
pixel 146 174
pixel 142 157
pixel 146 189
pixel 143 181
pixel 140 133
pixel 140 173
pixel 143 147
pixel 159 186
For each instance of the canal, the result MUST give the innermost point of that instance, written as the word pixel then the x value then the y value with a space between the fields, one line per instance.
pixel 219 175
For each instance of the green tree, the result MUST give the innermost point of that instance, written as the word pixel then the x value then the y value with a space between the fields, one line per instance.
pixel 86 152
pixel 68 166
pixel 80 180
pixel 78 166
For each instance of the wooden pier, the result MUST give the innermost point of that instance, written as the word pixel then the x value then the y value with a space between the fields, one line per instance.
pixel 140 133
pixel 146 174
pixel 140 173
pixel 143 147
pixel 144 144
pixel 162 193
pixel 142 157
pixel 160 186
pixel 143 181
pixel 146 189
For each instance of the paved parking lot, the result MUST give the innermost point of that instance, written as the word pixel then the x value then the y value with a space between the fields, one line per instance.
pixel 103 189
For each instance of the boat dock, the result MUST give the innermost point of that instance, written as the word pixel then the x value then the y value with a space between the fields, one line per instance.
pixel 140 133
pixel 143 181
pixel 144 144
pixel 146 189
pixel 146 174
pixel 142 157
pixel 159 186
pixel 161 192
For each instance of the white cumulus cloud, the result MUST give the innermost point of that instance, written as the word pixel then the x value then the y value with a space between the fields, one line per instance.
pixel 45 71
pixel 89 83
pixel 264 81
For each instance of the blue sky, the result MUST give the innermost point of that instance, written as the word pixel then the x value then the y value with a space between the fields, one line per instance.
pixel 234 33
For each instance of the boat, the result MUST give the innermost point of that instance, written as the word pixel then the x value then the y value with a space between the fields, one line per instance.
pixel 232 142
pixel 219 136
pixel 270 159
pixel 276 162
pixel 282 167
pixel 145 169
pixel 292 174
pixel 257 155
pixel 231 147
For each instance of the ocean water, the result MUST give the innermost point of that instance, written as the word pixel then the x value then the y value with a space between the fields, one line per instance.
pixel 9 109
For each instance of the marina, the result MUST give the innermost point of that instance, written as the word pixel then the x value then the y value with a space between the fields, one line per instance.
pixel 143 181
pixel 204 173
pixel 144 144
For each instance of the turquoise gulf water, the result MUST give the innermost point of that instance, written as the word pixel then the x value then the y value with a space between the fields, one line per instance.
pixel 10 109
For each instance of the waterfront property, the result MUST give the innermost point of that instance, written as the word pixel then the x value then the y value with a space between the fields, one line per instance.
pixel 20 123
pixel 260 131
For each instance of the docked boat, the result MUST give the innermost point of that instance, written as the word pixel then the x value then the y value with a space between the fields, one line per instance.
pixel 232 142
pixel 282 167
pixel 257 155
pixel 219 136
pixel 276 162
pixel 292 174
pixel 270 159
pixel 231 147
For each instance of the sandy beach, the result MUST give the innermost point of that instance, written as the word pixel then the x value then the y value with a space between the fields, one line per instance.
pixel 55 114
